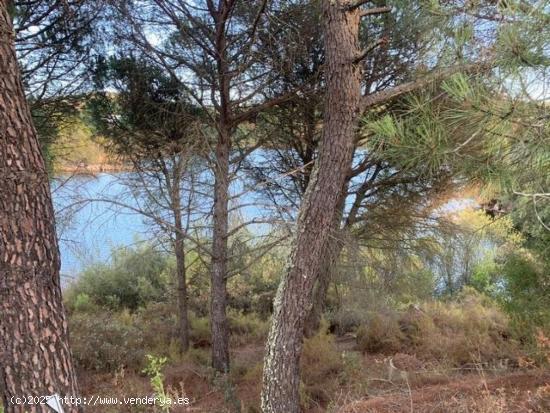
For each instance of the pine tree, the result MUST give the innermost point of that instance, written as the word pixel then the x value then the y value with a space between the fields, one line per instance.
pixel 35 359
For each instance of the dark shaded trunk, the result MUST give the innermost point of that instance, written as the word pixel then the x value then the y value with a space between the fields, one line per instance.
pixel 281 378
pixel 219 323
pixel 179 250
pixel 182 294
pixel 35 359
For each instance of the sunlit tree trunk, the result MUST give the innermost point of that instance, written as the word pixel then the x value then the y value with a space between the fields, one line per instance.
pixel 281 378
pixel 34 348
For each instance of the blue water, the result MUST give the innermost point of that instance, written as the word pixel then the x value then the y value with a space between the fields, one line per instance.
pixel 89 231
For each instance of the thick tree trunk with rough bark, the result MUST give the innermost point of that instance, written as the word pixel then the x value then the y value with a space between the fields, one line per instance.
pixel 218 299
pixel 35 359
pixel 281 378
pixel 333 248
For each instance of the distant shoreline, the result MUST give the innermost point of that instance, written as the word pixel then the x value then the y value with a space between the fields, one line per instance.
pixel 91 169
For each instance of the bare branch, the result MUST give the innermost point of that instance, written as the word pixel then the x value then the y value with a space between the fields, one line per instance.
pixel 355 5
pixel 369 49
pixel 375 11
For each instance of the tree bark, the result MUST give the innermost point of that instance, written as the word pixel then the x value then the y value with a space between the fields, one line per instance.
pixel 333 249
pixel 35 359
pixel 218 300
pixel 281 378
pixel 179 250
pixel 218 278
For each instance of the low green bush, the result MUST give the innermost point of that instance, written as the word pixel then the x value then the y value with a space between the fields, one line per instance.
pixel 200 334
pixel 106 341
pixel 246 328
pixel 134 278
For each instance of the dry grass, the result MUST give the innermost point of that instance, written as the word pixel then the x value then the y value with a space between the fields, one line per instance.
pixel 471 330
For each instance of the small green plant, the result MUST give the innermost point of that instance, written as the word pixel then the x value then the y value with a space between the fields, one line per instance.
pixel 154 371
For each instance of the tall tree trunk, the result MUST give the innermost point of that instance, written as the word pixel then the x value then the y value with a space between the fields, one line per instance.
pixel 218 316
pixel 182 294
pixel 281 378
pixel 179 250
pixel 35 359
pixel 218 278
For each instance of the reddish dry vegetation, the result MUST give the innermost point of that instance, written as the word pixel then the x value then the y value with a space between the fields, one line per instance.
pixel 475 390
pixel 513 392
pixel 449 359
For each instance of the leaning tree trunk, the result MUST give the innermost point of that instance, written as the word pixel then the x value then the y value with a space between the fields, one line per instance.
pixel 35 359
pixel 281 377
pixel 332 250
pixel 218 299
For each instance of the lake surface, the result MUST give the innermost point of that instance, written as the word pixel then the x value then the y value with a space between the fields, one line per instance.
pixel 89 231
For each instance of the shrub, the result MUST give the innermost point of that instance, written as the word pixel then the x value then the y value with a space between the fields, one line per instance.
pixel 469 329
pixel 321 366
pixel 527 297
pixel 346 320
pixel 200 331
pixel 106 342
pixel 380 334
pixel 158 323
pixel 134 278
pixel 247 327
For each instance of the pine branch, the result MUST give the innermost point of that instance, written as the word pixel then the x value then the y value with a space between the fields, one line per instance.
pixel 385 96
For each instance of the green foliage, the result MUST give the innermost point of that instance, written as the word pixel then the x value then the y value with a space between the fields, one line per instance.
pixel 485 277
pixel 149 112
pixel 51 119
pixel 83 303
pixel 105 341
pixel 154 371
pixel 527 293
pixel 253 290
pixel 75 143
pixel 247 327
pixel 200 330
pixel 134 278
